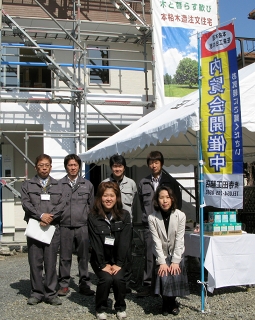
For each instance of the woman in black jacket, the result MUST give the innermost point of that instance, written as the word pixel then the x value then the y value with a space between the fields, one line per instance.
pixel 110 237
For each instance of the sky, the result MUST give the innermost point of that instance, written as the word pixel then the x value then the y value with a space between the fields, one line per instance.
pixel 238 9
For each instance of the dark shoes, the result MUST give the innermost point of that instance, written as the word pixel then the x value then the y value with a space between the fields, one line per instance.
pixel 165 306
pixel 33 301
pixel 87 292
pixel 144 292
pixel 175 311
pixel 170 306
pixel 63 291
pixel 165 312
pixel 55 301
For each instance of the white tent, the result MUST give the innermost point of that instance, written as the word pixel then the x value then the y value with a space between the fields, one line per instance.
pixel 172 130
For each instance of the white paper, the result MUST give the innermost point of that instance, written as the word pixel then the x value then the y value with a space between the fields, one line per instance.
pixel 37 232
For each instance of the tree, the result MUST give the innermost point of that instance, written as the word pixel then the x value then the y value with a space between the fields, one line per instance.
pixel 187 72
pixel 167 79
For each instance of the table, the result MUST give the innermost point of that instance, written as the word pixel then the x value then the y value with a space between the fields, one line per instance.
pixel 229 260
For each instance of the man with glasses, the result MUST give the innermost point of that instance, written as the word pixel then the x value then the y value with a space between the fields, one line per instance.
pixel 42 200
pixel 128 191
pixel 79 199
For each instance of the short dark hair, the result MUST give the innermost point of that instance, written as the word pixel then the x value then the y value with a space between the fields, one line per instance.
pixel 98 208
pixel 171 195
pixel 72 156
pixel 118 159
pixel 155 155
pixel 41 157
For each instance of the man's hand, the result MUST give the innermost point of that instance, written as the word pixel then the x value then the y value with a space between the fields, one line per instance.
pixel 47 218
pixel 43 224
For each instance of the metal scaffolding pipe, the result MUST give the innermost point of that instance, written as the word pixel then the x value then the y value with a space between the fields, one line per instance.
pixel 42 132
pixel 62 28
pixel 50 46
pixel 103 115
pixel 114 50
pixel 89 66
pixel 18 149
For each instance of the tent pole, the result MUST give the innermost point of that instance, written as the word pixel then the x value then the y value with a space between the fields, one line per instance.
pixel 201 182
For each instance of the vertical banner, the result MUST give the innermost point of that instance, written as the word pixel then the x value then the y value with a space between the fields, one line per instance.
pixel 175 28
pixel 221 128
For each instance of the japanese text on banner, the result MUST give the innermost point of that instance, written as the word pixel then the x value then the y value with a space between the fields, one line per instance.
pixel 221 120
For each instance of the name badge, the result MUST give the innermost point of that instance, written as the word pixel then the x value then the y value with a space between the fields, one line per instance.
pixel 109 240
pixel 45 196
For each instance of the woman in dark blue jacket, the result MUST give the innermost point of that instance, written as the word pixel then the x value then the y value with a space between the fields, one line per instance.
pixel 110 237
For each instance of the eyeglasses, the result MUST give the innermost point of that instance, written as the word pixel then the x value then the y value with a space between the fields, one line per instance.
pixel 42 165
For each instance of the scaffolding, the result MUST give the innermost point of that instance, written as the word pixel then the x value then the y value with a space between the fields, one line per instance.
pixel 76 85
pixel 68 77
pixel 246 55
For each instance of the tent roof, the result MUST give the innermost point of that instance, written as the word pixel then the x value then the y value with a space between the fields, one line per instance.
pixel 172 129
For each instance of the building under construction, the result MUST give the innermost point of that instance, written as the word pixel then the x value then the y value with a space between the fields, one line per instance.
pixel 72 74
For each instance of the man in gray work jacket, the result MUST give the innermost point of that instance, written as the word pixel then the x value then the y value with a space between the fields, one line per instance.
pixel 128 191
pixel 42 200
pixel 78 194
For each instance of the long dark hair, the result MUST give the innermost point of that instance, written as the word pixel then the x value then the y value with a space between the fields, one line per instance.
pixel 117 208
pixel 171 195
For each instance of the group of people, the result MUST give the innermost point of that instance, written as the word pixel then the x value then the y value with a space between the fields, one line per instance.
pixel 101 228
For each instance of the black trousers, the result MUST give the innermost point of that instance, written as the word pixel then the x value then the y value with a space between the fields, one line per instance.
pixel 80 238
pixel 128 263
pixel 43 256
pixel 105 281
pixel 149 258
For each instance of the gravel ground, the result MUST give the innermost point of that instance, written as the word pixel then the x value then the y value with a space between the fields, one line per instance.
pixel 228 303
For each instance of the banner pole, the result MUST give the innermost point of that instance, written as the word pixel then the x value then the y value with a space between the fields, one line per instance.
pixel 201 182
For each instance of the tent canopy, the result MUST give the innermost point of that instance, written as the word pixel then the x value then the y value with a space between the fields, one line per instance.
pixel 172 129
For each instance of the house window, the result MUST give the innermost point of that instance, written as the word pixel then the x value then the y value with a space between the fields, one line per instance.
pixel 98 56
pixel 33 76
pixel 18 75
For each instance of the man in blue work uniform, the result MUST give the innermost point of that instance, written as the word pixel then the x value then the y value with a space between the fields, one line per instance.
pixel 78 194
pixel 42 200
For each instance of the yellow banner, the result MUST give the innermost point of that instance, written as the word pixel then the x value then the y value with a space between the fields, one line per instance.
pixel 216 120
